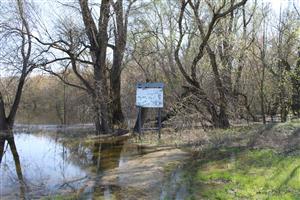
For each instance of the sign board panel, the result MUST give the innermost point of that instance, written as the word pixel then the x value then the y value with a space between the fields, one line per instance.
pixel 149 97
pixel 150 85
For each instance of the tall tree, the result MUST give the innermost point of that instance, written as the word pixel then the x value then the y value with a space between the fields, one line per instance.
pixel 22 63
pixel 87 52
pixel 120 40
pixel 98 40
pixel 218 112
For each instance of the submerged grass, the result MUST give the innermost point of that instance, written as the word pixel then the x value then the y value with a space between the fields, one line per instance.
pixel 61 197
pixel 250 174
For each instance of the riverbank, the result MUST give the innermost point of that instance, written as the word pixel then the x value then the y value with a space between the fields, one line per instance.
pixel 245 162
pixel 251 162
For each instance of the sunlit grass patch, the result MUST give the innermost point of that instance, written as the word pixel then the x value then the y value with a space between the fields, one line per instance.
pixel 255 174
pixel 61 197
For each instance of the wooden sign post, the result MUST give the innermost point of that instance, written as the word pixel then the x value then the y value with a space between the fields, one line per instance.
pixel 149 95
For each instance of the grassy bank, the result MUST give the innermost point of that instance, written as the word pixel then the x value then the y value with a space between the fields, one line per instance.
pixel 246 162
pixel 263 164
pixel 247 174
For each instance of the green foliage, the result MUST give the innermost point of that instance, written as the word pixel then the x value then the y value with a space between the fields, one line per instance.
pixel 61 197
pixel 295 77
pixel 253 174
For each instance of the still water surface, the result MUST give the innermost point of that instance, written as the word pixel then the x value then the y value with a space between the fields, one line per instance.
pixel 52 164
pixel 45 165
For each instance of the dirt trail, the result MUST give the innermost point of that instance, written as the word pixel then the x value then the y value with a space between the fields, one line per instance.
pixel 143 177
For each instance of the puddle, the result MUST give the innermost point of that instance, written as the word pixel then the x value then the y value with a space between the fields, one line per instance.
pixel 53 165
pixel 175 188
pixel 46 166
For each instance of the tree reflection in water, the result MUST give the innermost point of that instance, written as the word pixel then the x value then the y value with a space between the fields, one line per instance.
pixel 8 139
pixel 106 156
pixel 60 164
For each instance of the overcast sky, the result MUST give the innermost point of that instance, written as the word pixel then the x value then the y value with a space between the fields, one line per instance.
pixel 276 4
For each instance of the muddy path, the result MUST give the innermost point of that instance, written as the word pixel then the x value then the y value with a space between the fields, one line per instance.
pixel 144 177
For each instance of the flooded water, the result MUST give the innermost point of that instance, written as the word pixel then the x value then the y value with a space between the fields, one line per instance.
pixel 47 165
pixel 50 166
pixel 174 188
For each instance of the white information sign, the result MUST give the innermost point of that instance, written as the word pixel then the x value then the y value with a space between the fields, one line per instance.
pixel 149 97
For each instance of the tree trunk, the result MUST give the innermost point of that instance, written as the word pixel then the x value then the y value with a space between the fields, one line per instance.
pixel 221 120
pixel 283 112
pixel 262 85
pixel 115 84
pixel 102 110
pixel 2 144
pixel 102 94
pixel 120 34
pixel 13 148
pixel 283 96
pixel 13 111
pixel 97 116
pixel 144 112
pixel 3 120
pixel 262 99
pixel 247 106
pixel 98 39
pixel 7 123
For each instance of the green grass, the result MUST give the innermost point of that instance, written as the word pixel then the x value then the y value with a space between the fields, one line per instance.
pixel 61 197
pixel 252 174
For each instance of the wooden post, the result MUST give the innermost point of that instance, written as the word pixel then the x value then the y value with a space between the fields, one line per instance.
pixel 140 120
pixel 159 122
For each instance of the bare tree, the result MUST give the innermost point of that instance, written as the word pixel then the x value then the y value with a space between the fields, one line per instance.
pixel 86 55
pixel 120 39
pixel 218 112
pixel 22 64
